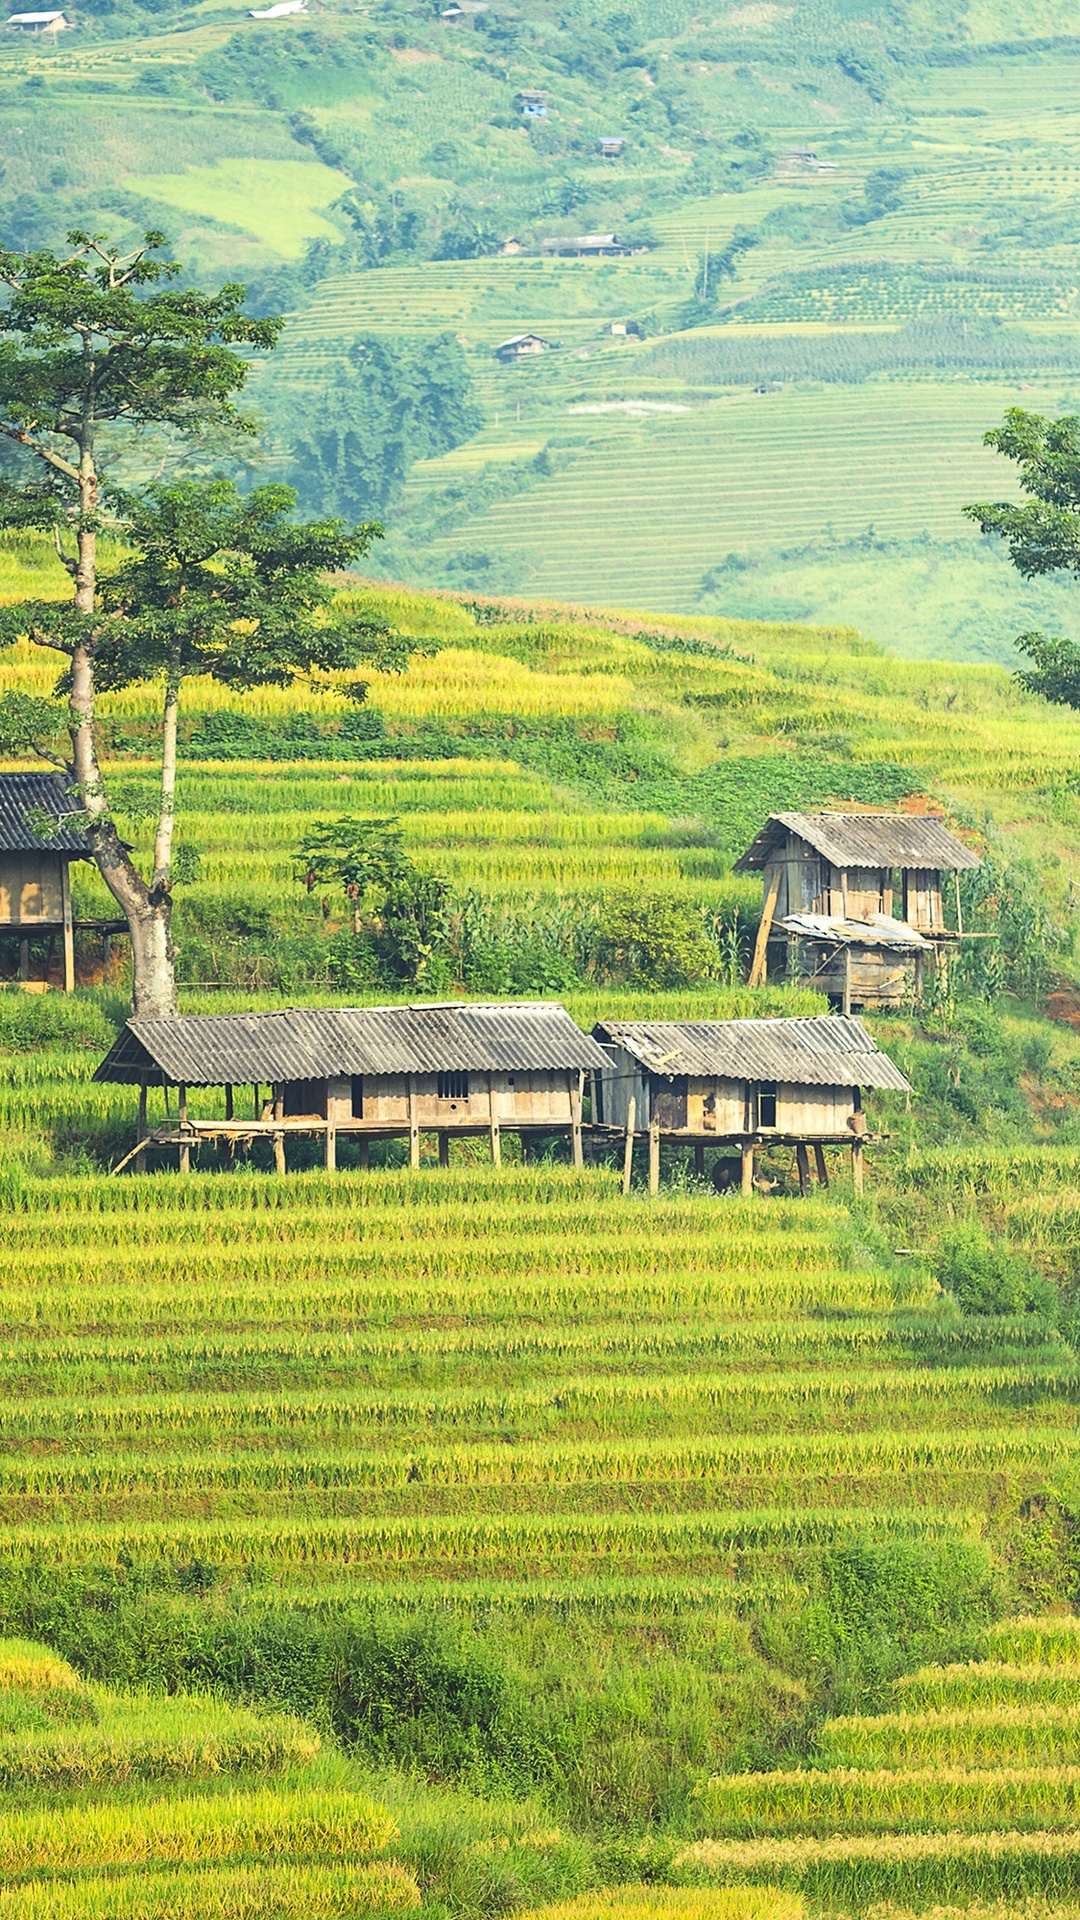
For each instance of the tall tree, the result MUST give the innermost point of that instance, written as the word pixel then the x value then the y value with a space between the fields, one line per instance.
pixel 95 344
pixel 215 584
pixel 1041 533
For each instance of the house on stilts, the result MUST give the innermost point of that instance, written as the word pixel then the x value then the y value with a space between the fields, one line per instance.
pixel 358 1073
pixel 741 1086
pixel 855 904
pixel 39 838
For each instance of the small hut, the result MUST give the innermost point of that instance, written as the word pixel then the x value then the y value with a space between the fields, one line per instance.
pixel 521 346
pixel 364 1073
pixel 742 1085
pixel 854 903
pixel 35 879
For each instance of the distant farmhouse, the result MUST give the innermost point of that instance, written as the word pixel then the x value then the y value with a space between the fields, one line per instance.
pixel 36 915
pixel 586 244
pixel 281 12
pixel 611 146
pixel 531 103
pixel 854 902
pixel 365 1073
pixel 39 22
pixel 744 1085
pixel 521 346
pixel 512 245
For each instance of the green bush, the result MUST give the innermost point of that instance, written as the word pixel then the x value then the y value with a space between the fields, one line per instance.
pixel 985 1277
pixel 32 1020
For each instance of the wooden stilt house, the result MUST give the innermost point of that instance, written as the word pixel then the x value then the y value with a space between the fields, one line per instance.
pixel 365 1073
pixel 855 903
pixel 742 1085
pixel 35 874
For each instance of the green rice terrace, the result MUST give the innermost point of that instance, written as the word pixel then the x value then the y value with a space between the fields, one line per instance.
pixel 477 1540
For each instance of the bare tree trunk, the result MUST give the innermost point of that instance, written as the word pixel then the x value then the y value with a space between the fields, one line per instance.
pixel 147 909
pixel 163 839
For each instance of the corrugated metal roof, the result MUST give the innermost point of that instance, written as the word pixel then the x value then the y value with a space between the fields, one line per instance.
pixel 863 840
pixel 879 932
pixel 21 793
pixel 824 1051
pixel 308 1043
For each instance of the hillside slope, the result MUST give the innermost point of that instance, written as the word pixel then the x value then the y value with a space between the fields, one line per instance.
pixel 903 195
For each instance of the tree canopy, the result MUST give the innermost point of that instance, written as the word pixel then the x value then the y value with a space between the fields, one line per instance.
pixel 1042 533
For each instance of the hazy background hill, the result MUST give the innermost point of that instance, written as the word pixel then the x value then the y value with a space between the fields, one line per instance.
pixel 856 238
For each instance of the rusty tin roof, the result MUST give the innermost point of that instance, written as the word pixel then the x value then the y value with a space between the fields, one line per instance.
pixel 826 1050
pixel 876 840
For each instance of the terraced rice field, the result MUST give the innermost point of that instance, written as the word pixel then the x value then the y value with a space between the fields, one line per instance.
pixel 728 475
pixel 216 1814
pixel 969 1786
pixel 429 1383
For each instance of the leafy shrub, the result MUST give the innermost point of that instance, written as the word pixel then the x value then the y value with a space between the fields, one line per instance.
pixel 985 1277
pixel 656 942
pixel 29 1021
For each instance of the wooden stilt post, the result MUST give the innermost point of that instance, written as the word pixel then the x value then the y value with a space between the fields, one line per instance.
pixel 699 1159
pixel 802 1162
pixel 331 1147
pixel 69 929
pixel 747 1171
pixel 106 957
pixel 761 945
pixel 819 1162
pixel 279 1138
pixel 414 1126
pixel 24 956
pixel 140 1158
pixel 256 1111
pixel 444 1149
pixel 857 1165
pixel 654 1156
pixel 576 1152
pixel 185 1144
pixel 230 1144
pixel 847 978
pixel 496 1136
pixel 628 1149
pixel 364 1153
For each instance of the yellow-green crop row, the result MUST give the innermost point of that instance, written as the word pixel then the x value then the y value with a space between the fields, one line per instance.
pixel 219 1893
pixel 992 1683
pixel 150 1739
pixel 854 1871
pixel 910 1800
pixel 29 1668
pixel 854 1399
pixel 429 1546
pixel 291 1355
pixel 674 1903
pixel 100 1834
pixel 918 1462
pixel 1053 1638
pixel 974 1736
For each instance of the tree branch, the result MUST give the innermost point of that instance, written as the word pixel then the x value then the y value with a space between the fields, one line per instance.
pixel 71 566
pixel 23 439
